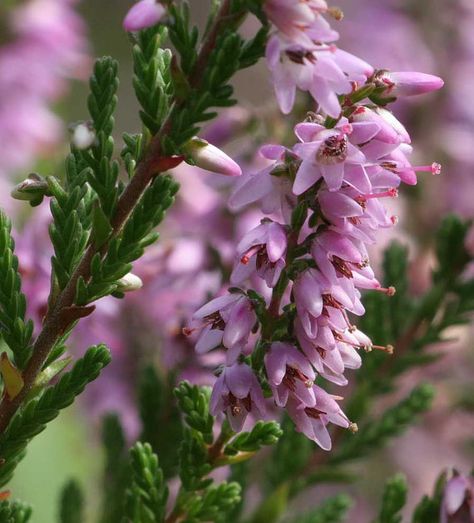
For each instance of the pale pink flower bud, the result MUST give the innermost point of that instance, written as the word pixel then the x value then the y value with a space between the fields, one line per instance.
pixel 208 157
pixel 83 135
pixel 143 14
pixel 129 283
pixel 411 83
pixel 30 189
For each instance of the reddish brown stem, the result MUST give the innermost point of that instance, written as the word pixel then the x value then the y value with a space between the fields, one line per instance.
pixel 53 324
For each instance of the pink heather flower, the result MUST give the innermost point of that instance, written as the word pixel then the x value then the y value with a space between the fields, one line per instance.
pixel 211 158
pixel 313 292
pixel 329 356
pixel 313 421
pixel 237 392
pixel 322 70
pixel 338 257
pixel 354 215
pixel 143 14
pixel 387 132
pixel 308 295
pixel 458 500
pixel 289 373
pixel 300 22
pixel 409 83
pixel 228 321
pixel 273 192
pixel 262 251
pixel 329 154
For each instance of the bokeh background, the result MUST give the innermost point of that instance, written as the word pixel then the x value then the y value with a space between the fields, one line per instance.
pixel 435 37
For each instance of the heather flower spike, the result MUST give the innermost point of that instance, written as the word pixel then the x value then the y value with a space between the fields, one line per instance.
pixel 144 14
pixel 325 202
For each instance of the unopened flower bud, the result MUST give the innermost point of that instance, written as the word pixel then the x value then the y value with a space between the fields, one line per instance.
pixel 409 83
pixel 129 283
pixel 207 156
pixel 143 14
pixel 33 188
pixel 83 135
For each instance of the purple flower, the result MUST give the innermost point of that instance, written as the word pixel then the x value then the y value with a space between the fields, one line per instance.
pixel 262 251
pixel 338 257
pixel 328 154
pixel 308 292
pixel 237 392
pixel 354 215
pixel 272 191
pixel 322 70
pixel 289 373
pixel 390 129
pixel 313 293
pixel 328 355
pixel 458 500
pixel 313 421
pixel 228 321
pixel 300 22
pixel 143 14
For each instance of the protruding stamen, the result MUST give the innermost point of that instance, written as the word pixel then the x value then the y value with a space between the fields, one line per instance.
pixel 369 348
pixel 389 291
pixel 353 427
pixel 391 193
pixel 434 168
pixel 362 199
pixel 389 349
pixel 336 12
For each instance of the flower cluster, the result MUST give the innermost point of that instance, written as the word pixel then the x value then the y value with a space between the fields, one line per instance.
pixel 302 54
pixel 45 44
pixel 323 199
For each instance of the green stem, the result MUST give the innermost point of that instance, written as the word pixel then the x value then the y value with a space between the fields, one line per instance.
pixel 215 450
